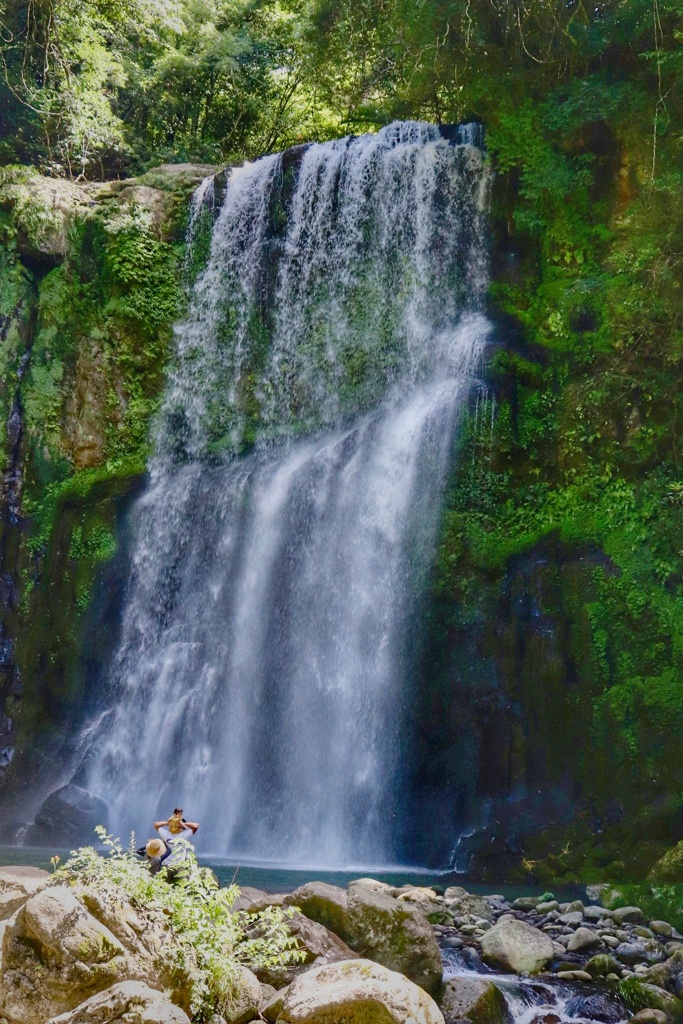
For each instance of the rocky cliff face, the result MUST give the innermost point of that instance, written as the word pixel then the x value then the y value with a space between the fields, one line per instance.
pixel 92 282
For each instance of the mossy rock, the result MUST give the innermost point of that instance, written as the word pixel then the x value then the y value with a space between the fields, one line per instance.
pixel 670 867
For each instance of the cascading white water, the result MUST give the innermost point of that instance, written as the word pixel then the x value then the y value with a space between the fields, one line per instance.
pixel 262 680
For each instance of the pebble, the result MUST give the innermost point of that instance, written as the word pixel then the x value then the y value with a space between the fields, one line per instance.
pixel 453 942
pixel 610 940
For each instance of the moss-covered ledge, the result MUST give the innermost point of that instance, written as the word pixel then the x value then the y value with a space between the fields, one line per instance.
pixel 92 282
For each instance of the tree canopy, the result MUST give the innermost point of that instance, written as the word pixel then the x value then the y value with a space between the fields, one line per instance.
pixel 102 87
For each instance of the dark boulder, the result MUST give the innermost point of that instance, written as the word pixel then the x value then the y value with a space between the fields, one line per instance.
pixel 68 817
pixel 599 1007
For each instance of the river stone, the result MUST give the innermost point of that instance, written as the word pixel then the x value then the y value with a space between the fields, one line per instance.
pixel 516 946
pixel 244 998
pixel 547 908
pixel 326 904
pixel 571 918
pixel 662 928
pixel 628 915
pixel 660 999
pixel 527 903
pixel 583 939
pixel 357 992
pixel 454 892
pixel 649 1016
pixel 474 999
pixel 636 952
pixel 596 913
pixel 68 817
pixel 272 1008
pixel 475 906
pixel 319 944
pixel 393 934
pixel 130 1002
pixel 596 1007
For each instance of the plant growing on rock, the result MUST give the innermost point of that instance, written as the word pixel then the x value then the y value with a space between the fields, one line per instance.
pixel 210 942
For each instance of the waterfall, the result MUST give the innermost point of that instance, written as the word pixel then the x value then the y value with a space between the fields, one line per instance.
pixel 282 546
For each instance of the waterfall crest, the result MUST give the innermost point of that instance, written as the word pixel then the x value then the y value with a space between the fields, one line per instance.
pixel 263 675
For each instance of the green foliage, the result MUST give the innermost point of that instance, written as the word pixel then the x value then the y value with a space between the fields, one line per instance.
pixel 658 902
pixel 209 940
pixel 635 994
pixel 96 87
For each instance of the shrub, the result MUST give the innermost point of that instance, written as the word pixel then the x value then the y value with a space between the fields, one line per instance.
pixel 210 940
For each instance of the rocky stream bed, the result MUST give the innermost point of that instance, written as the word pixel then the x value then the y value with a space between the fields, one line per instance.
pixel 372 954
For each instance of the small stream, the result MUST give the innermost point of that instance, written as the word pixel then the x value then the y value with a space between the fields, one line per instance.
pixel 529 1000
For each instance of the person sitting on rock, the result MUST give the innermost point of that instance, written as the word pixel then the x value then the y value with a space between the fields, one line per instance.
pixel 155 852
pixel 172 830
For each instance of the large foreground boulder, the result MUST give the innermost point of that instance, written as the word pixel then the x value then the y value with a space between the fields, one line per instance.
pixel 64 945
pixel 54 956
pixel 17 883
pixel 394 934
pixel 474 999
pixel 357 992
pixel 516 946
pixel 376 925
pixel 129 1002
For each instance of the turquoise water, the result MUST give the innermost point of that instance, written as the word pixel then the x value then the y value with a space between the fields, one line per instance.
pixel 275 879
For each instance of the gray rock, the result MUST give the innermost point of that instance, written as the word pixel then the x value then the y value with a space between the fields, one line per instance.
pixel 661 928
pixel 649 1016
pixel 129 1002
pixel 596 913
pixel 68 817
pixel 475 906
pixel 659 999
pixel 583 939
pixel 636 952
pixel 474 999
pixel 394 934
pixel 629 915
pixel 571 918
pixel 272 1009
pixel 356 990
pixel 320 946
pixel 526 903
pixel 326 904
pixel 517 946
pixel 454 892
pixel 547 908
pixel 598 1007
